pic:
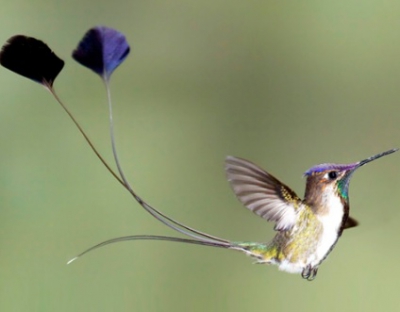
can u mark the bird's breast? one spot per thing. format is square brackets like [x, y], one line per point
[331, 222]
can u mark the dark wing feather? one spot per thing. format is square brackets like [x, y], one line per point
[350, 223]
[262, 193]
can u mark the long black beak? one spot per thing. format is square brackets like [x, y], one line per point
[365, 161]
[352, 168]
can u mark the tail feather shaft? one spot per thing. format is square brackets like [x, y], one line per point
[159, 238]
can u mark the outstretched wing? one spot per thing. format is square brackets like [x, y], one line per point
[262, 193]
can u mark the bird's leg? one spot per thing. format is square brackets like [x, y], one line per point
[309, 272]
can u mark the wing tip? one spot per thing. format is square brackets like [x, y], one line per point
[230, 163]
[230, 159]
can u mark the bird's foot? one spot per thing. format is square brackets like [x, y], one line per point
[309, 272]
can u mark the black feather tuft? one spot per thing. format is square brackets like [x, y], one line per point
[32, 59]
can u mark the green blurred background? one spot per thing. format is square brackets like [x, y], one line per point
[286, 84]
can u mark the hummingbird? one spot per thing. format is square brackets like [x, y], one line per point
[307, 229]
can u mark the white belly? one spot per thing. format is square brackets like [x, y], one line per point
[331, 223]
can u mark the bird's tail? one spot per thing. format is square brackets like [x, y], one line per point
[248, 248]
[261, 252]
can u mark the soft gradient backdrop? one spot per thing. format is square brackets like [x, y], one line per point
[285, 84]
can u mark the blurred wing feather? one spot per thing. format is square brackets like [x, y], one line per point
[262, 193]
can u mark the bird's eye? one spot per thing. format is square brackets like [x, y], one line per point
[332, 175]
